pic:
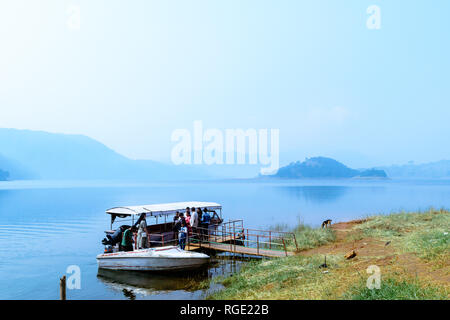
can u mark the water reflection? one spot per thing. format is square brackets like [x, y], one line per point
[316, 194]
[129, 294]
[132, 283]
[151, 281]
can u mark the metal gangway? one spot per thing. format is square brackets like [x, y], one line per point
[232, 237]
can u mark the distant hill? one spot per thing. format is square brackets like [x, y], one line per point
[30, 154]
[321, 167]
[15, 169]
[26, 154]
[4, 175]
[432, 170]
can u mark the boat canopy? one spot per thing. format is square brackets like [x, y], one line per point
[161, 209]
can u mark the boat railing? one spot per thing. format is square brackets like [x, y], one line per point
[165, 239]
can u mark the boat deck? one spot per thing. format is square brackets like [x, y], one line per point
[239, 249]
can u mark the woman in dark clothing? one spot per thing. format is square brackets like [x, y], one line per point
[200, 223]
[176, 217]
[200, 213]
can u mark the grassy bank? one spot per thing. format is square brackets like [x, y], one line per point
[425, 234]
[410, 249]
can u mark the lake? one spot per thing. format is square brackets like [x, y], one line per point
[47, 226]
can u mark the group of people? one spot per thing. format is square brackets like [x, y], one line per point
[127, 237]
[195, 224]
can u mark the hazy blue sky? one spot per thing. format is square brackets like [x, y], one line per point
[137, 70]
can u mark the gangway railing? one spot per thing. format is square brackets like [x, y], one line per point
[235, 235]
[232, 237]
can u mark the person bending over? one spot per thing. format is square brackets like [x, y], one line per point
[127, 239]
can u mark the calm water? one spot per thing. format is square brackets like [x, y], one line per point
[47, 226]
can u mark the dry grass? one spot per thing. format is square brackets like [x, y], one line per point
[427, 234]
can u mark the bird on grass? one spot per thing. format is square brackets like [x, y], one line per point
[324, 265]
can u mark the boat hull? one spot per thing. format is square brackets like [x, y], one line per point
[161, 259]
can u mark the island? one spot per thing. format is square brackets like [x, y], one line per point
[322, 167]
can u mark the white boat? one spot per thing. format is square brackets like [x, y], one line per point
[162, 254]
[169, 258]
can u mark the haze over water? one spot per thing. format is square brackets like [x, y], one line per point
[47, 226]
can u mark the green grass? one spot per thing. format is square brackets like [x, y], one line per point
[398, 224]
[295, 277]
[393, 289]
[423, 233]
[308, 238]
[430, 245]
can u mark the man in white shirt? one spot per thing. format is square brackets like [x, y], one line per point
[194, 222]
[142, 233]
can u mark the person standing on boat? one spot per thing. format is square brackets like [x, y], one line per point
[177, 225]
[188, 222]
[194, 222]
[206, 219]
[127, 239]
[176, 217]
[177, 222]
[182, 234]
[182, 218]
[142, 233]
[201, 231]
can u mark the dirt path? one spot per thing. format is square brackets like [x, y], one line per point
[372, 251]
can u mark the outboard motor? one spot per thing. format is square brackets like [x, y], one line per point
[116, 236]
